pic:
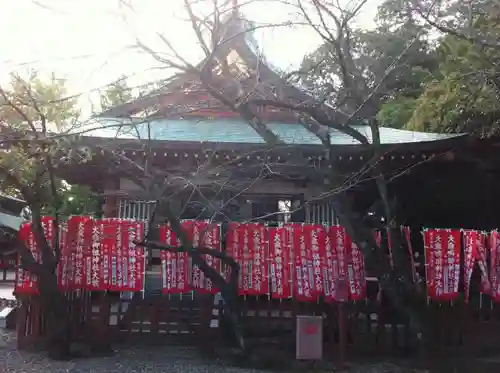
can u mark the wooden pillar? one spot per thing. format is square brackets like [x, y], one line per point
[342, 293]
[342, 334]
[307, 208]
[35, 316]
[101, 337]
[21, 320]
[155, 310]
[111, 206]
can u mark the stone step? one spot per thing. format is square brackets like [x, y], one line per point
[4, 313]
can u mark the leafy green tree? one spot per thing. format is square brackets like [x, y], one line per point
[30, 99]
[27, 103]
[461, 95]
[34, 112]
[396, 112]
[32, 109]
[74, 200]
[464, 96]
[116, 93]
[397, 37]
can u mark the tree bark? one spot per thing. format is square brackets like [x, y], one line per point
[401, 292]
[54, 306]
[228, 288]
[56, 312]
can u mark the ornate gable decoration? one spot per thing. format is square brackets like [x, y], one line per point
[239, 68]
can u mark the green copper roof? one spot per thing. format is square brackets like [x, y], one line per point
[239, 131]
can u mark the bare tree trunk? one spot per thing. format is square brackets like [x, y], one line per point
[55, 310]
[228, 288]
[229, 292]
[54, 306]
[395, 281]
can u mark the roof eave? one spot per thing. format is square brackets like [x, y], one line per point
[222, 146]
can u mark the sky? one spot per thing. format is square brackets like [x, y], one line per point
[92, 42]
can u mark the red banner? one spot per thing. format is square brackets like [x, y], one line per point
[111, 260]
[304, 272]
[208, 236]
[71, 268]
[83, 243]
[49, 230]
[132, 256]
[94, 278]
[70, 252]
[377, 236]
[259, 260]
[234, 249]
[121, 236]
[168, 276]
[245, 259]
[471, 252]
[62, 268]
[315, 235]
[280, 249]
[195, 274]
[24, 280]
[407, 236]
[26, 283]
[355, 271]
[378, 240]
[482, 262]
[174, 265]
[246, 243]
[495, 266]
[108, 252]
[442, 249]
[335, 276]
[247, 246]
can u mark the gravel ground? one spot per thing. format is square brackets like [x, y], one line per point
[132, 360]
[169, 359]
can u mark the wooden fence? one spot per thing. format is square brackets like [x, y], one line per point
[367, 328]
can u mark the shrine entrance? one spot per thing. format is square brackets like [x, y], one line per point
[158, 317]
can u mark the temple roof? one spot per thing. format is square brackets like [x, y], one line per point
[10, 212]
[204, 130]
[183, 112]
[237, 58]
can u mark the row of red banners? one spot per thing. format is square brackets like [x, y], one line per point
[443, 268]
[295, 260]
[309, 261]
[300, 261]
[96, 255]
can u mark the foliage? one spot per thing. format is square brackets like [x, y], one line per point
[374, 53]
[464, 97]
[449, 85]
[33, 106]
[395, 113]
[34, 114]
[115, 94]
[75, 200]
[462, 93]
[29, 98]
[26, 102]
